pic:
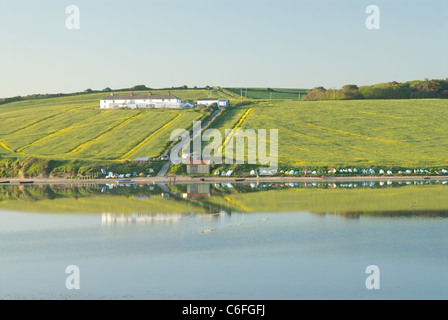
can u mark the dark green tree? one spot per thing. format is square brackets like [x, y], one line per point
[316, 93]
[350, 92]
[139, 87]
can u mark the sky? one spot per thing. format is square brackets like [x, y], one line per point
[228, 43]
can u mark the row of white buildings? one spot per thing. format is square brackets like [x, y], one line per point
[153, 101]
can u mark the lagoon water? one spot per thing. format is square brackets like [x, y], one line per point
[223, 242]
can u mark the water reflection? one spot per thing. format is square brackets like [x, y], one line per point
[195, 191]
[136, 203]
[228, 240]
[133, 218]
[110, 218]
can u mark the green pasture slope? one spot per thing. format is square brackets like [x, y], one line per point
[312, 134]
[361, 134]
[73, 127]
[267, 93]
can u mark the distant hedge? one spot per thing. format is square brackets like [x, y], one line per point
[390, 90]
[39, 96]
[87, 91]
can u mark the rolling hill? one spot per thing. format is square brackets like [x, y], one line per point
[312, 134]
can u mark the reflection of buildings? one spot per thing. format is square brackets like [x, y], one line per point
[198, 190]
[109, 218]
[133, 218]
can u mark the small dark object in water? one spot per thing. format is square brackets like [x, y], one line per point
[26, 182]
[4, 181]
[240, 179]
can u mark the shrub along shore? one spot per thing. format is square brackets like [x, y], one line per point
[89, 169]
[57, 171]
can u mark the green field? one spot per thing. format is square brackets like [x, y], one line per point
[389, 133]
[312, 134]
[265, 93]
[73, 127]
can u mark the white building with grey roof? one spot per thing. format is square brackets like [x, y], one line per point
[209, 101]
[142, 101]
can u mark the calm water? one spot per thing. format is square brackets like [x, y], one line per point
[147, 242]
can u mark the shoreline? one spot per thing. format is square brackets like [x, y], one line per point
[187, 179]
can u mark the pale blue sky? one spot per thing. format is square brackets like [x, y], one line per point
[232, 43]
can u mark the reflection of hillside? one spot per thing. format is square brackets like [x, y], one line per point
[116, 198]
[419, 198]
[392, 214]
[92, 199]
[411, 198]
[40, 192]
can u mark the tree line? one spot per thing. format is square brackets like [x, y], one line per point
[139, 87]
[391, 90]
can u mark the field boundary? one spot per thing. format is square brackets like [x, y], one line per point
[232, 133]
[105, 133]
[20, 150]
[141, 143]
[4, 146]
[41, 120]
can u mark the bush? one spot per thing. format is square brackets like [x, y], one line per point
[178, 169]
[139, 87]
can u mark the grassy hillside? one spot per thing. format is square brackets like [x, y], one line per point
[312, 134]
[269, 93]
[73, 127]
[389, 133]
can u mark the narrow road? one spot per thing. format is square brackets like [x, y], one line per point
[203, 126]
[164, 169]
[222, 92]
[212, 116]
[166, 166]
